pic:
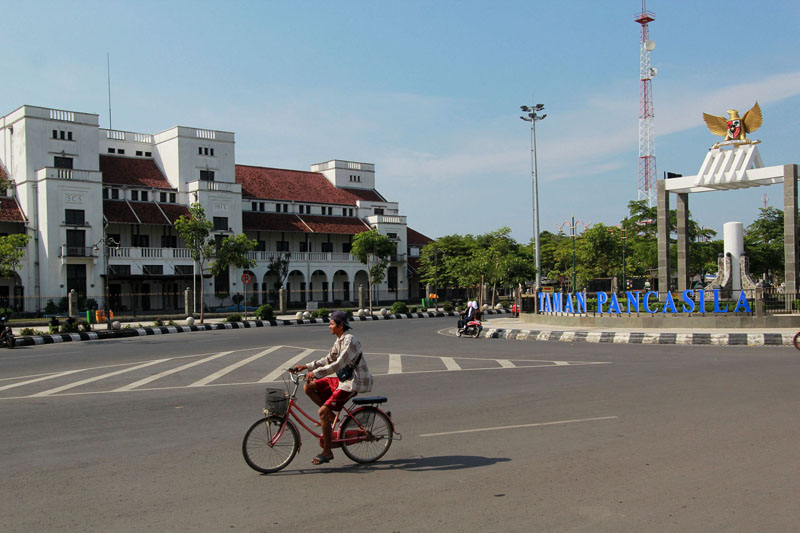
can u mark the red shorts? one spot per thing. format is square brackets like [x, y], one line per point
[334, 398]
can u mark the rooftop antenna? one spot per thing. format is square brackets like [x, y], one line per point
[647, 142]
[765, 200]
[108, 70]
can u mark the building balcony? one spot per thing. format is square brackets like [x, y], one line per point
[216, 186]
[77, 251]
[69, 174]
[386, 219]
[149, 253]
[296, 258]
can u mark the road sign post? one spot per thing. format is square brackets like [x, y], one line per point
[247, 278]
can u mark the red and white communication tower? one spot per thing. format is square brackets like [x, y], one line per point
[647, 141]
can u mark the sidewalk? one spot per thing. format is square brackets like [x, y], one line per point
[514, 328]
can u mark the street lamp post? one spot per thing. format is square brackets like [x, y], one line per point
[107, 242]
[532, 115]
[572, 227]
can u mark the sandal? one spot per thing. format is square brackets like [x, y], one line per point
[321, 460]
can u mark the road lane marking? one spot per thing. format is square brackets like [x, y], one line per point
[395, 364]
[505, 363]
[171, 371]
[49, 376]
[538, 424]
[275, 374]
[96, 378]
[450, 363]
[216, 375]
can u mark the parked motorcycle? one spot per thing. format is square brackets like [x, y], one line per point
[472, 329]
[6, 334]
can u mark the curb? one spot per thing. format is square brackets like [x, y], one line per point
[721, 339]
[165, 330]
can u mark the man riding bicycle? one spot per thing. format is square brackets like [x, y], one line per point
[329, 391]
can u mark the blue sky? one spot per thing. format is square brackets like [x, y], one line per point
[429, 91]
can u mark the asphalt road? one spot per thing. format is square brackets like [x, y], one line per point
[145, 434]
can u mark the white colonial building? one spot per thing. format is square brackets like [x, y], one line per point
[100, 206]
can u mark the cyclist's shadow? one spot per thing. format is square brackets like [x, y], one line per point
[416, 464]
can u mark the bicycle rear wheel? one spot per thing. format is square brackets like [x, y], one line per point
[371, 443]
[796, 340]
[266, 458]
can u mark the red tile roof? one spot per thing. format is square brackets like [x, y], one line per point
[288, 185]
[415, 237]
[118, 211]
[272, 222]
[10, 210]
[173, 211]
[131, 171]
[338, 225]
[149, 213]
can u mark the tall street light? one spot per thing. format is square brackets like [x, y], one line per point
[532, 115]
[572, 227]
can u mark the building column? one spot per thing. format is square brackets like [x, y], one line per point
[663, 237]
[790, 229]
[682, 209]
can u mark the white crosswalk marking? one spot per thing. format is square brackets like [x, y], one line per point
[171, 371]
[450, 363]
[395, 364]
[228, 369]
[505, 363]
[275, 374]
[97, 378]
[51, 376]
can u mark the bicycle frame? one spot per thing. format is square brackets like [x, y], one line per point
[293, 405]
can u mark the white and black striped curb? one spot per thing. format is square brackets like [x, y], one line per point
[164, 330]
[726, 339]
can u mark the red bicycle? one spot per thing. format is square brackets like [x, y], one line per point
[362, 430]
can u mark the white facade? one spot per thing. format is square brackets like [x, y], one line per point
[70, 207]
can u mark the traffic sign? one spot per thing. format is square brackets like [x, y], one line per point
[247, 278]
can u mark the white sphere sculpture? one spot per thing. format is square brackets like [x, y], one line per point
[190, 321]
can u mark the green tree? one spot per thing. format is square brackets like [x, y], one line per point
[12, 250]
[374, 250]
[279, 265]
[195, 230]
[232, 252]
[763, 243]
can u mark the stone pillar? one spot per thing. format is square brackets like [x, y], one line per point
[187, 301]
[361, 297]
[72, 299]
[790, 230]
[682, 211]
[282, 301]
[664, 272]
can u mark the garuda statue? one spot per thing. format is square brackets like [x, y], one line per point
[734, 128]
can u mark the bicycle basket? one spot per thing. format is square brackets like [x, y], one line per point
[277, 402]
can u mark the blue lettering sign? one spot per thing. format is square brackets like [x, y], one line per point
[669, 304]
[688, 305]
[558, 305]
[614, 305]
[702, 303]
[633, 300]
[581, 302]
[646, 303]
[743, 302]
[716, 303]
[601, 299]
[568, 307]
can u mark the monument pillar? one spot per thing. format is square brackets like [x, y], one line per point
[663, 237]
[682, 211]
[790, 229]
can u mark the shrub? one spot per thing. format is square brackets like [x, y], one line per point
[399, 308]
[447, 308]
[158, 323]
[171, 323]
[413, 309]
[84, 326]
[6, 312]
[69, 327]
[28, 332]
[265, 312]
[51, 308]
[321, 313]
[236, 317]
[53, 329]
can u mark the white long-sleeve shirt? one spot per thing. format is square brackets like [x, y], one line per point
[345, 351]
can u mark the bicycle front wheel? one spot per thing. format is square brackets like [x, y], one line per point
[265, 449]
[370, 443]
